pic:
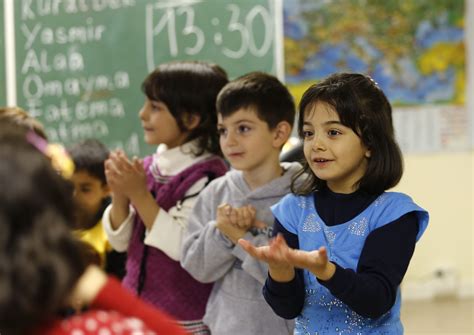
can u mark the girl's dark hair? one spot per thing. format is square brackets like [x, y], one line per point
[190, 87]
[40, 260]
[363, 107]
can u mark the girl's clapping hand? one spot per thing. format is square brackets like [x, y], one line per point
[282, 260]
[125, 176]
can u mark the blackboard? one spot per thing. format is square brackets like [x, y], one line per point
[3, 79]
[80, 63]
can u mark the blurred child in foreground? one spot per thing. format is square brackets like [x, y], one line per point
[42, 266]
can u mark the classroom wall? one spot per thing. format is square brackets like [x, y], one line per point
[443, 184]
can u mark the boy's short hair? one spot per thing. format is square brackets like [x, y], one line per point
[271, 99]
[90, 155]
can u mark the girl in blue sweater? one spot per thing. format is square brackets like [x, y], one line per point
[343, 244]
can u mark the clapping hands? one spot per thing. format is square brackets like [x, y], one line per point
[124, 176]
[234, 222]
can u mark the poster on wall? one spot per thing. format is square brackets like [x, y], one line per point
[414, 49]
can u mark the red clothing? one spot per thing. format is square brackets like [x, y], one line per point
[114, 311]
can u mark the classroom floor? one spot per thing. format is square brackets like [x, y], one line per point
[442, 316]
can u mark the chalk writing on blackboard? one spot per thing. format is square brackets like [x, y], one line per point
[80, 63]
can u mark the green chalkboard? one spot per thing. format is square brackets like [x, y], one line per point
[80, 64]
[3, 79]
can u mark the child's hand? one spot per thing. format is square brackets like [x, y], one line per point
[315, 261]
[279, 257]
[127, 177]
[87, 287]
[242, 217]
[232, 222]
[276, 255]
[110, 174]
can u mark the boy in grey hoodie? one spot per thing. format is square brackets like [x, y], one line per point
[255, 118]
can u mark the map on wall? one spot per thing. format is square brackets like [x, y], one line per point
[414, 49]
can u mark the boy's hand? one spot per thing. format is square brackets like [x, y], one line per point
[225, 215]
[242, 217]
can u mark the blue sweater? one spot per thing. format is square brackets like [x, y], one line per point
[367, 284]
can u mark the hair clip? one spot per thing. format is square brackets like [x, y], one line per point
[373, 81]
[59, 157]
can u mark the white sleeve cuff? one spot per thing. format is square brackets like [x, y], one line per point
[165, 235]
[168, 228]
[119, 238]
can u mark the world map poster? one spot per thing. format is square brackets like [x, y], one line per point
[415, 50]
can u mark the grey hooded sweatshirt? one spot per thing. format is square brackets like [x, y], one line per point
[236, 304]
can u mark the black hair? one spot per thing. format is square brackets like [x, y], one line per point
[189, 87]
[271, 99]
[40, 260]
[363, 107]
[90, 155]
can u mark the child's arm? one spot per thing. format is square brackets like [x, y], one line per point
[206, 254]
[235, 223]
[119, 210]
[287, 298]
[275, 254]
[146, 205]
[119, 238]
[118, 217]
[286, 293]
[169, 226]
[120, 202]
[129, 182]
[282, 260]
[95, 288]
[371, 290]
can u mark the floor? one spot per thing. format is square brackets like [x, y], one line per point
[442, 316]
